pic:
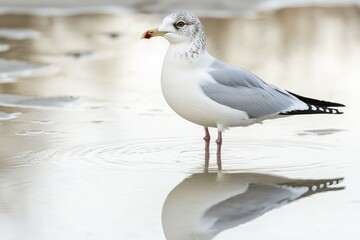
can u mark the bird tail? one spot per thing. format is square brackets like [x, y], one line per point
[315, 106]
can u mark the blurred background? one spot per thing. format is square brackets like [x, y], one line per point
[90, 150]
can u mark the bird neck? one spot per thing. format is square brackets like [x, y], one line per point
[187, 53]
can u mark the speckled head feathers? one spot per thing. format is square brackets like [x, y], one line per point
[185, 28]
[188, 24]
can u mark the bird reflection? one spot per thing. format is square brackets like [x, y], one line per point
[205, 204]
[207, 158]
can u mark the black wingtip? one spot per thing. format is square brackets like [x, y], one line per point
[334, 104]
[319, 103]
[313, 109]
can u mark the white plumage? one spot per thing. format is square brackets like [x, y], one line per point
[211, 93]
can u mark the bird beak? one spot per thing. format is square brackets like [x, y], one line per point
[152, 33]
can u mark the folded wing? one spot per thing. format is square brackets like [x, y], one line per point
[239, 89]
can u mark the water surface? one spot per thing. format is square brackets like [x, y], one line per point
[90, 150]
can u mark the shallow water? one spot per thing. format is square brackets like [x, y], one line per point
[90, 150]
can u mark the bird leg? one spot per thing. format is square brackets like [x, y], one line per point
[207, 149]
[218, 150]
[207, 140]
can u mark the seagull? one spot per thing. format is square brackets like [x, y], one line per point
[211, 93]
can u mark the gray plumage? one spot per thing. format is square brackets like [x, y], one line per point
[228, 96]
[242, 90]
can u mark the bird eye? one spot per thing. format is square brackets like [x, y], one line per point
[180, 24]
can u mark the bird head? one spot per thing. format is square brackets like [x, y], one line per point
[179, 27]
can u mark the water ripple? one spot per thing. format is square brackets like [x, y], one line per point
[170, 155]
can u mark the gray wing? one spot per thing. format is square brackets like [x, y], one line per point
[239, 89]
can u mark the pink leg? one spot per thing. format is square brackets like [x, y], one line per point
[207, 147]
[218, 150]
[207, 139]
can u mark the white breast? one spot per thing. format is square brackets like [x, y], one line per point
[181, 87]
